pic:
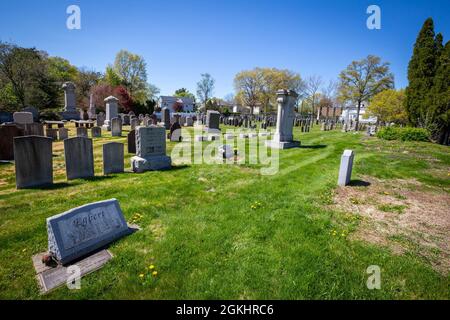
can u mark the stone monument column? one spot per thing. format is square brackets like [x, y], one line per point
[91, 111]
[70, 102]
[283, 137]
[112, 111]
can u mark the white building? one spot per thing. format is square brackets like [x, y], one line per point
[169, 102]
[350, 112]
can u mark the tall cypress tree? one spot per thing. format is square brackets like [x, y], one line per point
[421, 71]
[441, 97]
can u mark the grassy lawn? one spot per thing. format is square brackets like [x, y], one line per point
[227, 232]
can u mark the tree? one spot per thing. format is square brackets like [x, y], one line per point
[362, 80]
[389, 106]
[205, 88]
[84, 81]
[111, 77]
[441, 98]
[421, 72]
[132, 71]
[259, 86]
[312, 85]
[20, 67]
[247, 85]
[184, 93]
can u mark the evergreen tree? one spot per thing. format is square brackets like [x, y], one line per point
[421, 71]
[441, 98]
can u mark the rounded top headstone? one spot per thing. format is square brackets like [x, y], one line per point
[68, 85]
[111, 99]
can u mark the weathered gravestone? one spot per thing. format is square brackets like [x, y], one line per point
[63, 133]
[283, 137]
[134, 123]
[7, 134]
[70, 102]
[52, 134]
[175, 132]
[82, 132]
[100, 119]
[150, 150]
[33, 129]
[212, 120]
[126, 120]
[112, 111]
[83, 230]
[113, 158]
[33, 161]
[132, 141]
[23, 117]
[345, 170]
[165, 118]
[79, 157]
[96, 132]
[189, 122]
[116, 127]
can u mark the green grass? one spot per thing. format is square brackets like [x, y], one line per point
[227, 232]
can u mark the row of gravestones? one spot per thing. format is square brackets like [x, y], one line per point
[34, 159]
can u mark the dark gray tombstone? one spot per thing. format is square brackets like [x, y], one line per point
[82, 132]
[7, 134]
[113, 158]
[33, 129]
[63, 133]
[33, 161]
[212, 120]
[79, 157]
[132, 142]
[165, 118]
[52, 133]
[96, 132]
[83, 230]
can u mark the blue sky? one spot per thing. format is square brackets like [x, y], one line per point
[180, 39]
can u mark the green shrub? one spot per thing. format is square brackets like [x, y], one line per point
[404, 134]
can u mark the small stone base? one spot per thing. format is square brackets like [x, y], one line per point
[155, 163]
[70, 115]
[283, 144]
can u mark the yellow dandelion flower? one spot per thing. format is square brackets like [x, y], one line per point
[141, 275]
[154, 273]
[151, 267]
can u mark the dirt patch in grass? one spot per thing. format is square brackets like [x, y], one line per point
[402, 215]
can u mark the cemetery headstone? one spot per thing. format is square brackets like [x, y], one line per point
[70, 102]
[131, 142]
[100, 119]
[134, 123]
[79, 157]
[33, 129]
[283, 137]
[63, 133]
[33, 161]
[52, 134]
[23, 117]
[116, 127]
[345, 170]
[7, 134]
[112, 111]
[212, 120]
[81, 231]
[165, 118]
[82, 132]
[96, 132]
[113, 158]
[150, 150]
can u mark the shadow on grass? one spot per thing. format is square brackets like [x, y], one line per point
[315, 146]
[6, 162]
[179, 167]
[359, 183]
[98, 178]
[55, 186]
